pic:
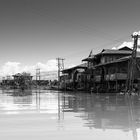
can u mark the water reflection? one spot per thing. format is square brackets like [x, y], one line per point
[106, 112]
[96, 111]
[30, 101]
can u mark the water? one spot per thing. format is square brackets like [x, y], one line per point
[52, 115]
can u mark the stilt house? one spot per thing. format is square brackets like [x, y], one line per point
[108, 70]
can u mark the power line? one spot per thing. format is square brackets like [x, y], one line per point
[85, 28]
[115, 42]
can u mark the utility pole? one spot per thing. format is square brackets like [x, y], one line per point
[3, 81]
[37, 76]
[132, 63]
[60, 64]
[7, 80]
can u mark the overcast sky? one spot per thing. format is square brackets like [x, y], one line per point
[33, 31]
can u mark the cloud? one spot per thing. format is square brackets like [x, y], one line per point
[51, 65]
[128, 44]
[10, 68]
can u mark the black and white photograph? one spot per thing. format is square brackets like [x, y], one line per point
[69, 69]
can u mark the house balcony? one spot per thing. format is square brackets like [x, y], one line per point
[121, 76]
[116, 76]
[97, 78]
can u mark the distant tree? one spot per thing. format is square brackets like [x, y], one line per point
[23, 80]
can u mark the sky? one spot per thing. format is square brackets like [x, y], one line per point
[35, 32]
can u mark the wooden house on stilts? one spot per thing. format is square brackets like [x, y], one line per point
[111, 70]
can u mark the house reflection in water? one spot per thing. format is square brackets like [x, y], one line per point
[106, 112]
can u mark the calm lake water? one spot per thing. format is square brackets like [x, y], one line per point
[52, 115]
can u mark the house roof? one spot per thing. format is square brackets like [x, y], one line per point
[88, 58]
[18, 74]
[124, 50]
[84, 66]
[22, 74]
[118, 60]
[111, 51]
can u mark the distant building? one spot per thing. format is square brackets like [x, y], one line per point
[22, 80]
[74, 78]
